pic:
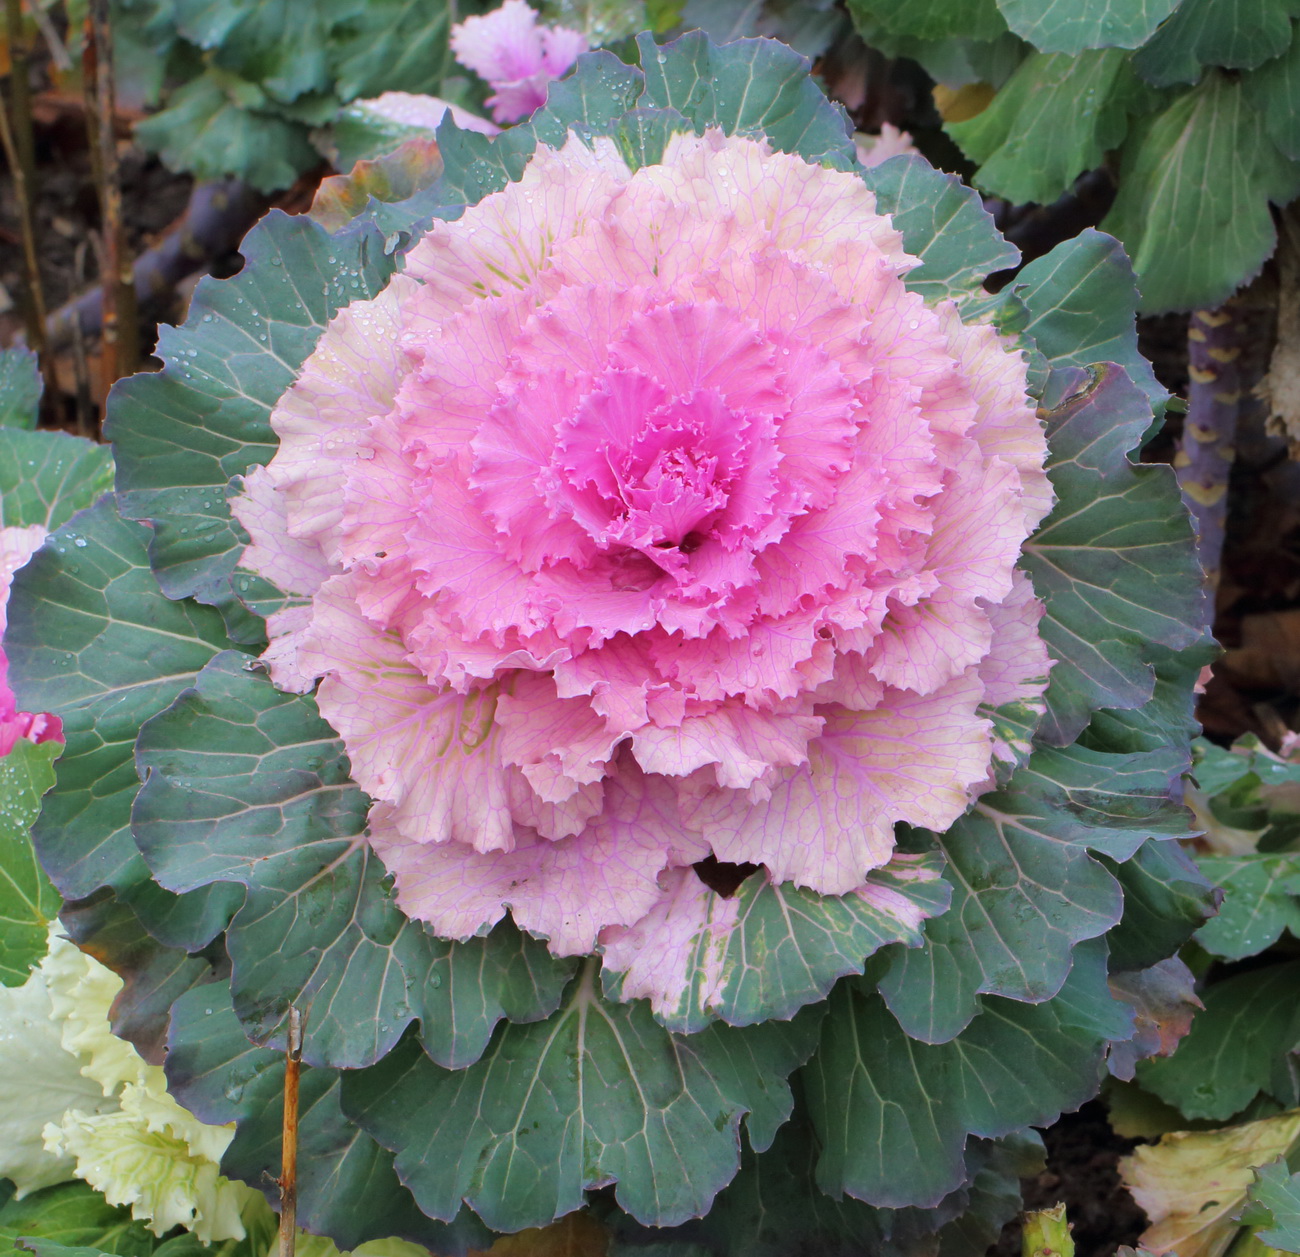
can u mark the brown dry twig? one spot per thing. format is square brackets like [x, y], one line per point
[289, 1135]
[120, 346]
[16, 141]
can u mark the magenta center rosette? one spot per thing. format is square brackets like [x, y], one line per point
[647, 518]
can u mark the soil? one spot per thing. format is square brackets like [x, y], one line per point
[67, 211]
[1082, 1171]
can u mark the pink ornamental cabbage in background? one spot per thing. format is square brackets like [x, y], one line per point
[17, 545]
[411, 109]
[647, 517]
[874, 149]
[518, 58]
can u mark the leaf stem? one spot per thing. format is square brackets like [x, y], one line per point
[1047, 1234]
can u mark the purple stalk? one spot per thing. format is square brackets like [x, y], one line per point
[1204, 461]
[216, 220]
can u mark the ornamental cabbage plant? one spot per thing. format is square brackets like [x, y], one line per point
[684, 689]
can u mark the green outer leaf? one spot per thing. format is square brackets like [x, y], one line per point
[1261, 899]
[1082, 303]
[1113, 562]
[1168, 720]
[237, 774]
[1273, 1204]
[92, 639]
[77, 1215]
[1076, 25]
[248, 785]
[1219, 771]
[20, 388]
[996, 1170]
[1025, 889]
[46, 477]
[1195, 184]
[1166, 897]
[600, 90]
[782, 947]
[346, 1185]
[944, 223]
[773, 1208]
[893, 1114]
[189, 922]
[1238, 34]
[953, 61]
[181, 434]
[643, 134]
[360, 133]
[751, 86]
[599, 1093]
[1235, 1049]
[28, 900]
[1056, 117]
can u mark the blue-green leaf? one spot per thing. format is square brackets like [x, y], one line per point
[1113, 561]
[598, 1094]
[893, 1115]
[182, 433]
[1025, 889]
[1237, 34]
[769, 950]
[20, 388]
[1076, 25]
[92, 639]
[28, 900]
[943, 223]
[47, 477]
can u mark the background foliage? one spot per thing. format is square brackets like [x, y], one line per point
[1194, 102]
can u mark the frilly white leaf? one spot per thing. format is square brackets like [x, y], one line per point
[39, 1081]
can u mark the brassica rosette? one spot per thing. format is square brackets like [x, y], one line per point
[632, 620]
